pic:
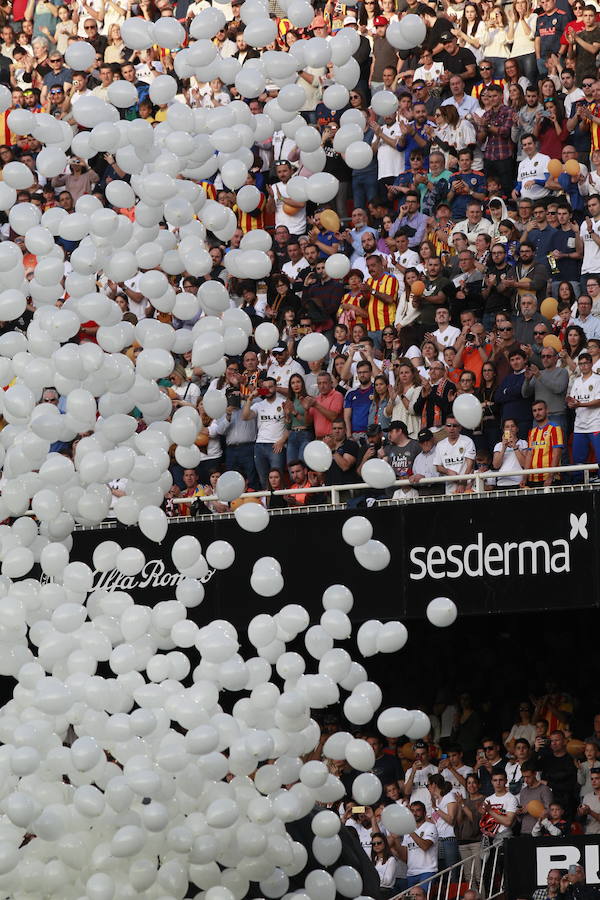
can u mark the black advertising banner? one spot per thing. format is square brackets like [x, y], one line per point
[513, 554]
[528, 861]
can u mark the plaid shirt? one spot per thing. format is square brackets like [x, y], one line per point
[499, 146]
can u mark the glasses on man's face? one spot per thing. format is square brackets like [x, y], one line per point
[587, 84]
[539, 333]
[545, 356]
[485, 68]
[89, 27]
[451, 425]
[552, 212]
[488, 747]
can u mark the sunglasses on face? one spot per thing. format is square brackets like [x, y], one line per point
[505, 328]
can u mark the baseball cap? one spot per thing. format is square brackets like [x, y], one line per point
[398, 424]
[446, 37]
[419, 745]
[349, 20]
[318, 22]
[425, 435]
[373, 429]
[380, 20]
[278, 350]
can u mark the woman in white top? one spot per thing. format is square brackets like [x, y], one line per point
[523, 727]
[472, 30]
[444, 807]
[403, 396]
[385, 863]
[510, 456]
[182, 392]
[523, 49]
[497, 39]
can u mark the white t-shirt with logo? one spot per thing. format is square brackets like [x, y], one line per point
[533, 169]
[507, 803]
[454, 456]
[282, 374]
[591, 250]
[421, 861]
[270, 419]
[446, 338]
[587, 420]
[510, 463]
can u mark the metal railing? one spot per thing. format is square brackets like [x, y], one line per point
[477, 478]
[482, 872]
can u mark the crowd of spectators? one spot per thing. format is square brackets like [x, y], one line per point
[470, 788]
[473, 237]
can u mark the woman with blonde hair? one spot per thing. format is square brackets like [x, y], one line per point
[523, 48]
[404, 393]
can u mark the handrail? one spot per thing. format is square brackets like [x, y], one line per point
[482, 872]
[335, 489]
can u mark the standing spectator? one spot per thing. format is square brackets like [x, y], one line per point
[384, 54]
[345, 453]
[419, 848]
[585, 766]
[455, 455]
[532, 789]
[549, 27]
[550, 386]
[271, 432]
[590, 234]
[385, 863]
[499, 809]
[443, 814]
[558, 771]
[288, 212]
[357, 402]
[382, 292]
[584, 398]
[495, 128]
[510, 395]
[326, 407]
[468, 815]
[489, 765]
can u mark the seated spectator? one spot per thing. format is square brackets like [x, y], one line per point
[589, 809]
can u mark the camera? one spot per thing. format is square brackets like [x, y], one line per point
[234, 399]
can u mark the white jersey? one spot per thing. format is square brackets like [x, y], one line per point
[270, 419]
[446, 338]
[296, 223]
[534, 169]
[454, 456]
[587, 420]
[591, 250]
[282, 374]
[390, 162]
[419, 862]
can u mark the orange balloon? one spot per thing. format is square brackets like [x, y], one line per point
[329, 220]
[536, 809]
[417, 288]
[290, 210]
[575, 747]
[549, 307]
[555, 167]
[572, 167]
[408, 751]
[551, 340]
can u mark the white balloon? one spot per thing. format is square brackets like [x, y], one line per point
[378, 473]
[266, 336]
[397, 819]
[337, 265]
[318, 456]
[357, 530]
[80, 56]
[395, 721]
[358, 155]
[442, 612]
[468, 410]
[313, 346]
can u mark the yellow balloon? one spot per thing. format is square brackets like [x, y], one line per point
[329, 220]
[555, 167]
[549, 307]
[572, 167]
[550, 340]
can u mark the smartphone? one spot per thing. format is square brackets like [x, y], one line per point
[573, 870]
[358, 809]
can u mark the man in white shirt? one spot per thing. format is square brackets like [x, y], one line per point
[296, 260]
[390, 161]
[416, 778]
[499, 809]
[271, 437]
[474, 224]
[455, 455]
[590, 235]
[454, 770]
[465, 103]
[291, 213]
[283, 368]
[532, 173]
[419, 848]
[584, 398]
[424, 464]
[584, 317]
[403, 258]
[445, 334]
[571, 94]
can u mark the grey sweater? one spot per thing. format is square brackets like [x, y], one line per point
[551, 386]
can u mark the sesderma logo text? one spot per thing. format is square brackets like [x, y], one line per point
[483, 557]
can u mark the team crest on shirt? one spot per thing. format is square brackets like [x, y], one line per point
[461, 449]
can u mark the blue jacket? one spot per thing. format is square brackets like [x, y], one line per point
[514, 405]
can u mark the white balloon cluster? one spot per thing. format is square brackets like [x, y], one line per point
[123, 776]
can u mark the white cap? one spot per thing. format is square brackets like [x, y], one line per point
[350, 20]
